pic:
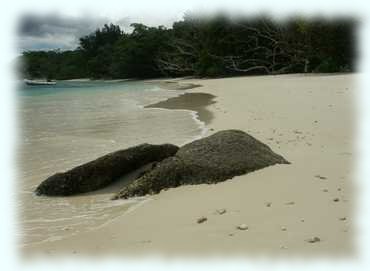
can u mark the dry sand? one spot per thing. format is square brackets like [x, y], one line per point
[307, 119]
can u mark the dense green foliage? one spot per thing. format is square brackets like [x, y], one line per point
[214, 46]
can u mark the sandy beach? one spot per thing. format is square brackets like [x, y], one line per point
[308, 119]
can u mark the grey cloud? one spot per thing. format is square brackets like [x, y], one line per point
[55, 31]
[39, 26]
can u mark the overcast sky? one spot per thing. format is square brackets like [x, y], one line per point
[55, 31]
[42, 29]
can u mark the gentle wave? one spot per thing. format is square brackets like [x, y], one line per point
[77, 123]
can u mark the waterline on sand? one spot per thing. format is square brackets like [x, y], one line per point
[77, 122]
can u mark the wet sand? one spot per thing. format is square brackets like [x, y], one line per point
[190, 101]
[75, 123]
[301, 210]
[174, 84]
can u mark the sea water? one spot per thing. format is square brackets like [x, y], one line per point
[74, 122]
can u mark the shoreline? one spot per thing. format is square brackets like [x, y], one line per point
[197, 102]
[306, 119]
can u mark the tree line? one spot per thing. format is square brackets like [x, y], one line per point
[203, 46]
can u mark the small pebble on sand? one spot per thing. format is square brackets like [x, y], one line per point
[320, 177]
[242, 227]
[325, 190]
[343, 218]
[283, 228]
[336, 199]
[221, 211]
[201, 219]
[313, 239]
[290, 203]
[268, 204]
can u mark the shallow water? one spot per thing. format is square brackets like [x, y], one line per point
[72, 123]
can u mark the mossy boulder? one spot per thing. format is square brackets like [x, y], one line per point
[104, 170]
[213, 159]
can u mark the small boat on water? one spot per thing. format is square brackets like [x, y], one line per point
[39, 82]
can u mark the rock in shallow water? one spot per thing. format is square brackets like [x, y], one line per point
[104, 170]
[213, 159]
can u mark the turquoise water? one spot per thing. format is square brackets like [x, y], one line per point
[74, 122]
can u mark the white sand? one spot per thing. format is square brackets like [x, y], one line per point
[307, 119]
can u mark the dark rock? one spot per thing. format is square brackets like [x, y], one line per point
[213, 159]
[104, 170]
